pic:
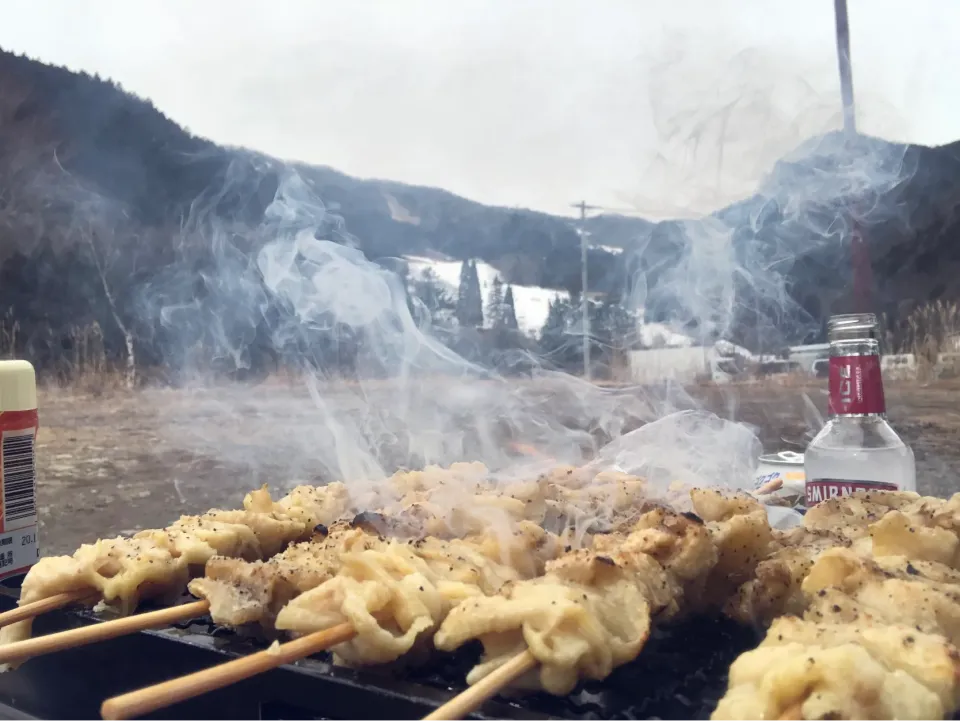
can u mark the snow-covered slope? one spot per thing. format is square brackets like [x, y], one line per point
[532, 303]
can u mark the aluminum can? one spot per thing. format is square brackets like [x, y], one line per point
[780, 480]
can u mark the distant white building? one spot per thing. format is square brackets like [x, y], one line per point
[807, 355]
[720, 363]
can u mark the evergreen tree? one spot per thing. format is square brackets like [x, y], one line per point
[555, 341]
[463, 293]
[434, 299]
[612, 325]
[429, 289]
[509, 314]
[495, 304]
[470, 298]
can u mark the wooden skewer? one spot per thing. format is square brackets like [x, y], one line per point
[145, 700]
[51, 603]
[21, 650]
[461, 705]
[793, 712]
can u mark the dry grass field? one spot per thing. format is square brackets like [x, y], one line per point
[114, 460]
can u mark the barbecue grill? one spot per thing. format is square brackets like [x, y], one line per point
[681, 674]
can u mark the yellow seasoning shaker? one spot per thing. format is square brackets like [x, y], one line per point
[18, 478]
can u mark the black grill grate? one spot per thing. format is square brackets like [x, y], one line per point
[681, 674]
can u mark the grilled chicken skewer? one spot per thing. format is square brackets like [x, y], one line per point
[879, 524]
[153, 564]
[881, 620]
[804, 669]
[379, 599]
[870, 523]
[878, 640]
[564, 492]
[593, 609]
[243, 592]
[420, 508]
[158, 563]
[733, 529]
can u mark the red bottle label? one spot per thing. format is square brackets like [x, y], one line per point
[823, 489]
[856, 386]
[18, 488]
[18, 492]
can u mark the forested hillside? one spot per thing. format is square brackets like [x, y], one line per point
[113, 220]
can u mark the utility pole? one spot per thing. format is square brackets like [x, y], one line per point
[860, 255]
[582, 205]
[846, 74]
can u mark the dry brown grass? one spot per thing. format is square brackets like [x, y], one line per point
[928, 332]
[85, 369]
[9, 331]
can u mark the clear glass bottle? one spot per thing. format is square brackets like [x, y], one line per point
[857, 449]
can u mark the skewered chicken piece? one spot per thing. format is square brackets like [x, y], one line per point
[806, 670]
[465, 499]
[881, 622]
[590, 613]
[242, 592]
[158, 563]
[610, 497]
[592, 609]
[849, 515]
[122, 572]
[775, 588]
[873, 523]
[373, 599]
[843, 587]
[393, 595]
[310, 505]
[740, 530]
[877, 641]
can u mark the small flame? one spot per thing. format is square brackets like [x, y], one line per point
[525, 449]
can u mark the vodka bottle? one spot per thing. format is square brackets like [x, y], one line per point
[857, 449]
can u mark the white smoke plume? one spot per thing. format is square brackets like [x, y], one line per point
[749, 133]
[411, 401]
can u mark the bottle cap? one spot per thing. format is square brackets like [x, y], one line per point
[18, 386]
[852, 326]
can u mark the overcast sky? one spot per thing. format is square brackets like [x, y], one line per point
[666, 107]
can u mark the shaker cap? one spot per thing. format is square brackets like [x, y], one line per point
[18, 386]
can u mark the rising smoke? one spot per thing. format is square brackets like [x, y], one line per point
[411, 401]
[751, 137]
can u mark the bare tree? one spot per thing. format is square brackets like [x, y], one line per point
[101, 254]
[27, 170]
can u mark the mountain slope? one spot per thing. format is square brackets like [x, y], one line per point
[106, 207]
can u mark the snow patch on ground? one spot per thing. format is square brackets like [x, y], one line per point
[532, 303]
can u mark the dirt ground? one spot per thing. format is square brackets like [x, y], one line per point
[122, 462]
